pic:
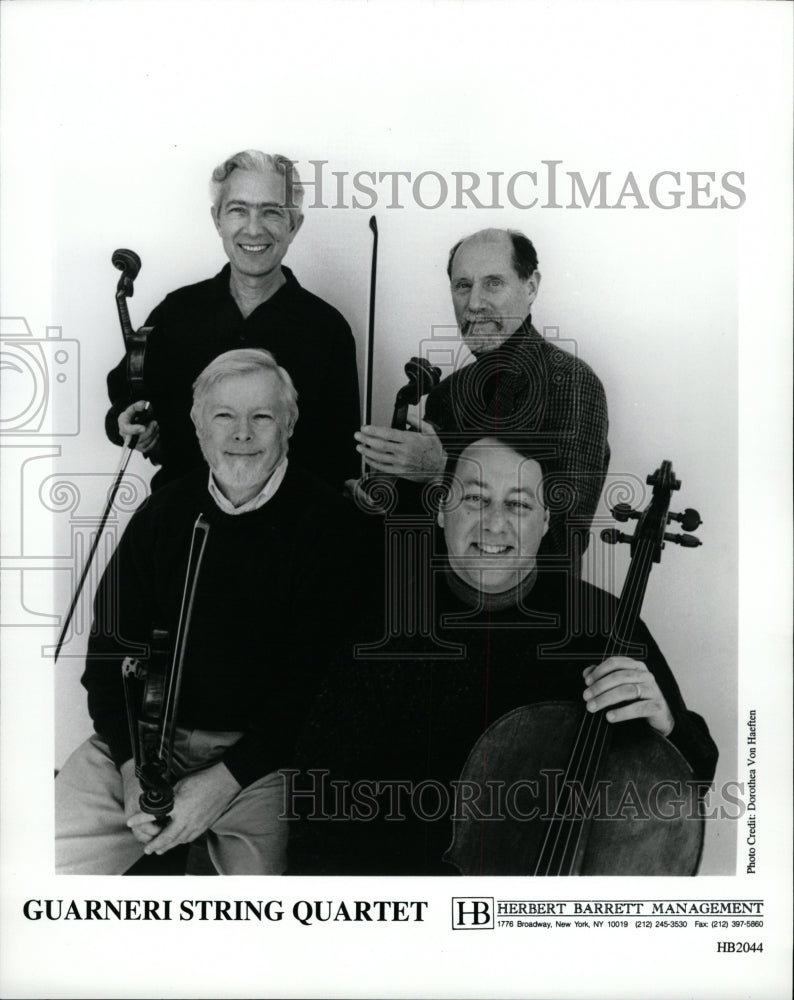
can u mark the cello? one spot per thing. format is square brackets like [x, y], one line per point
[583, 754]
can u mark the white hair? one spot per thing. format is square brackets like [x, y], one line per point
[245, 361]
[261, 163]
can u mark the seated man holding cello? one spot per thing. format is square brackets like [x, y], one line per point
[382, 785]
[248, 569]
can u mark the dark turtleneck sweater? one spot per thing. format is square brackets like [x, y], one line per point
[416, 719]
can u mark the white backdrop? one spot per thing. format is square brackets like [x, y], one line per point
[117, 112]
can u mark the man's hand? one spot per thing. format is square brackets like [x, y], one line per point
[359, 492]
[131, 787]
[618, 680]
[403, 453]
[147, 435]
[199, 799]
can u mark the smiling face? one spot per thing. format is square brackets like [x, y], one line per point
[494, 518]
[490, 300]
[253, 223]
[243, 432]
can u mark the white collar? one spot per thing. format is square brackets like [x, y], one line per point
[266, 493]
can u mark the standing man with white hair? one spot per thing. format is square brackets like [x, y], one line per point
[254, 301]
[276, 594]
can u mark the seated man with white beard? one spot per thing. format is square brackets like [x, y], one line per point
[273, 593]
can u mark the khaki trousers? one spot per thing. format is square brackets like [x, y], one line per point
[92, 838]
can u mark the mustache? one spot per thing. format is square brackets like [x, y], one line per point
[470, 322]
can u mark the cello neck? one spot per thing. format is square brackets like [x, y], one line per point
[631, 598]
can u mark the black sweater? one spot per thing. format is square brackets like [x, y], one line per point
[307, 336]
[416, 720]
[277, 592]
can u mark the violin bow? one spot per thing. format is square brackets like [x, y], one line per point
[129, 263]
[373, 225]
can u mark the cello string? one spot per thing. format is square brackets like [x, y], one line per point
[593, 730]
[560, 814]
[594, 734]
[486, 699]
[628, 612]
[561, 803]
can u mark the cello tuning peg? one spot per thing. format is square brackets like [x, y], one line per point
[612, 536]
[688, 541]
[690, 519]
[624, 512]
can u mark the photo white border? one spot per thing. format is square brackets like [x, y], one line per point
[217, 959]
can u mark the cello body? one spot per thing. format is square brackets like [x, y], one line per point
[637, 822]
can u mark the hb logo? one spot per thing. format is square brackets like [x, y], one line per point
[472, 913]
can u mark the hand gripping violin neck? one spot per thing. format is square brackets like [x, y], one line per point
[129, 263]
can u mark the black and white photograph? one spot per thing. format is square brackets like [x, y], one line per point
[395, 439]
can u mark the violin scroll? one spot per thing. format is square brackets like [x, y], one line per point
[145, 685]
[129, 263]
[157, 797]
[422, 379]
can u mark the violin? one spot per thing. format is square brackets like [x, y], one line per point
[129, 263]
[422, 376]
[144, 694]
[422, 379]
[151, 693]
[583, 753]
